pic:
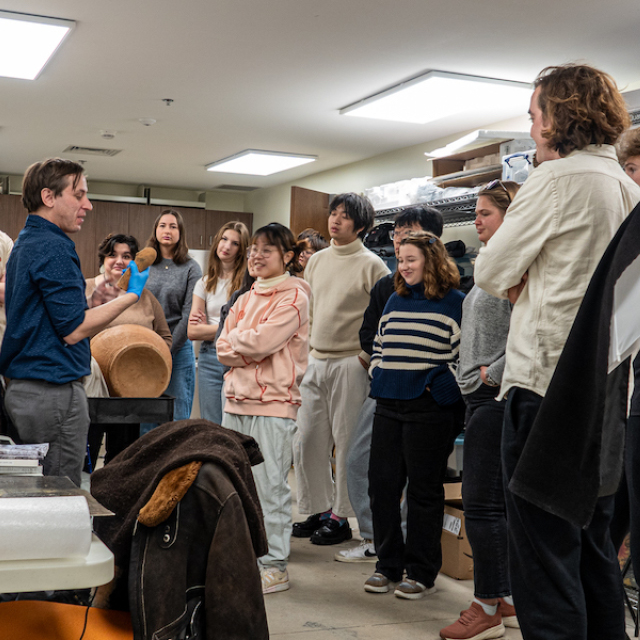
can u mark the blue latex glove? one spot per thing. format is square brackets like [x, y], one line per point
[137, 280]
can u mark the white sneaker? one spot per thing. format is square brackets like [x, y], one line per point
[364, 552]
[274, 580]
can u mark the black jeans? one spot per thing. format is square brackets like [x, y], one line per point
[632, 470]
[411, 440]
[565, 580]
[483, 493]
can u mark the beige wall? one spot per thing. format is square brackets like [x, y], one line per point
[273, 204]
[224, 201]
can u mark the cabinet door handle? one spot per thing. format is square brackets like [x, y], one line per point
[200, 240]
[210, 239]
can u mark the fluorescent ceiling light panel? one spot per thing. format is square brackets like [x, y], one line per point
[28, 42]
[439, 94]
[476, 139]
[259, 163]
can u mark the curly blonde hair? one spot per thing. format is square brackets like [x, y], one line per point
[440, 271]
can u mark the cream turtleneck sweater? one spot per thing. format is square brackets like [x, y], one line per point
[341, 279]
[267, 283]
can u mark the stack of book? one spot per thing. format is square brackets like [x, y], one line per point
[22, 460]
[20, 467]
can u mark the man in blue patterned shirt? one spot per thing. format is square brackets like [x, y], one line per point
[45, 352]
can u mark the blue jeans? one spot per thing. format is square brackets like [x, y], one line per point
[483, 493]
[182, 385]
[411, 440]
[210, 379]
[566, 581]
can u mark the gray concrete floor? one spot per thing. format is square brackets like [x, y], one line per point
[327, 600]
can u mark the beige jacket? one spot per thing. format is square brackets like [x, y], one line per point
[556, 230]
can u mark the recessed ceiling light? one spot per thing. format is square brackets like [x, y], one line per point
[438, 94]
[28, 42]
[259, 163]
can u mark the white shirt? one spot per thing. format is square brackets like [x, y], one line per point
[214, 300]
[557, 229]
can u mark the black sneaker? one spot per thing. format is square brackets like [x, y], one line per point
[332, 532]
[305, 529]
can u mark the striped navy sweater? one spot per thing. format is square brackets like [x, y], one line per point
[417, 346]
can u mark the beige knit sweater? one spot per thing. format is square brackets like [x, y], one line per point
[341, 279]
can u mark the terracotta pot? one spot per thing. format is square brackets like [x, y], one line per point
[135, 361]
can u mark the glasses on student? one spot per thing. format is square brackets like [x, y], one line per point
[254, 252]
[400, 234]
[497, 183]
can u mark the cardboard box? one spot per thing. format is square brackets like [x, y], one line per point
[457, 559]
[453, 493]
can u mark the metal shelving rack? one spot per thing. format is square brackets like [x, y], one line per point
[456, 211]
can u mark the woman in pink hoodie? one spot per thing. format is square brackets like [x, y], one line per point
[265, 341]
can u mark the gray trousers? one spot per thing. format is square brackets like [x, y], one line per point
[358, 469]
[54, 413]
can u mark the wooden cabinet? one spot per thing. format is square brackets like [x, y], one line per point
[194, 224]
[117, 217]
[107, 218]
[87, 246]
[12, 215]
[110, 218]
[141, 219]
[309, 209]
[216, 219]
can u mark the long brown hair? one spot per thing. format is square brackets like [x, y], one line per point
[181, 251]
[440, 271]
[214, 268]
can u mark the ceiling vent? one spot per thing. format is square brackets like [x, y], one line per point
[235, 187]
[92, 151]
[635, 117]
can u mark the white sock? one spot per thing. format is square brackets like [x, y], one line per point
[489, 609]
[508, 600]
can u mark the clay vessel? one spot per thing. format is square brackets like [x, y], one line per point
[135, 361]
[144, 259]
